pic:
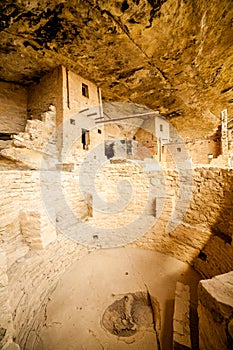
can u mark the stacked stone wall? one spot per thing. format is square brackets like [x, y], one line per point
[215, 311]
[202, 236]
[29, 273]
[13, 107]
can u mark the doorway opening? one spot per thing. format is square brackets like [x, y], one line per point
[85, 138]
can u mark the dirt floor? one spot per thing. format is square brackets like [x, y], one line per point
[112, 299]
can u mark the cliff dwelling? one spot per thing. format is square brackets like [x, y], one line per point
[116, 166]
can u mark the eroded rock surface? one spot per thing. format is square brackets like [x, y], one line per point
[175, 56]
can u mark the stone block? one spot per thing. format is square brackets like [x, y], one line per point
[65, 167]
[37, 229]
[181, 321]
[215, 310]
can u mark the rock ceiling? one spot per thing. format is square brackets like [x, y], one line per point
[175, 56]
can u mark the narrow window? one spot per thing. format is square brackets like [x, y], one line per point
[5, 136]
[67, 88]
[99, 131]
[85, 91]
[72, 121]
[178, 149]
[161, 127]
[85, 139]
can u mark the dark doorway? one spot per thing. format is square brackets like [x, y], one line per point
[85, 138]
[109, 151]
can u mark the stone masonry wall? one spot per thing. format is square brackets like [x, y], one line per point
[13, 107]
[46, 92]
[147, 140]
[192, 210]
[200, 149]
[215, 311]
[73, 99]
[30, 273]
[123, 183]
[31, 281]
[201, 236]
[34, 148]
[21, 190]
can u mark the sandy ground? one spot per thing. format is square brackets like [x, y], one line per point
[74, 312]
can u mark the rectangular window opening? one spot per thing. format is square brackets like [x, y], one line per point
[178, 149]
[161, 127]
[72, 121]
[85, 91]
[99, 131]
